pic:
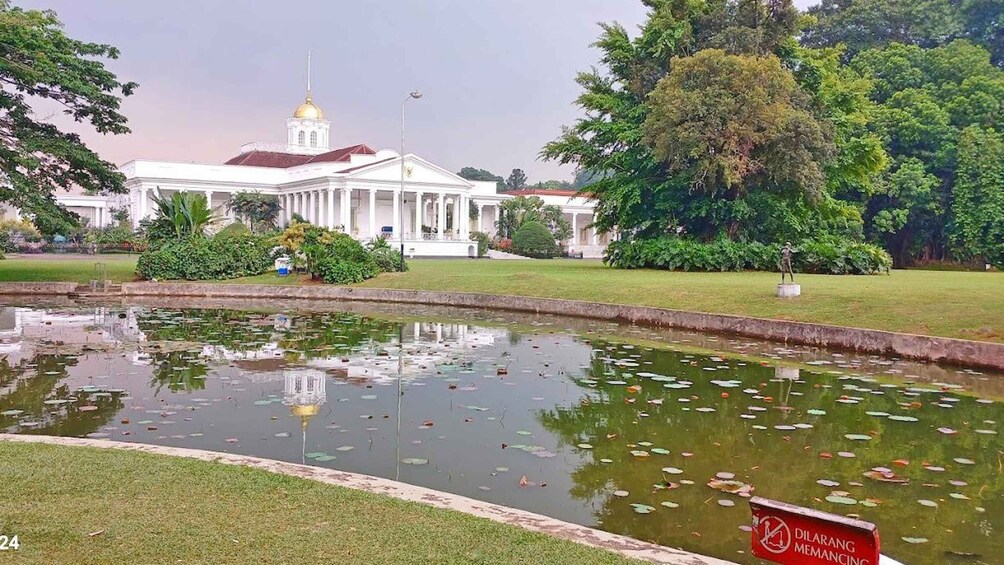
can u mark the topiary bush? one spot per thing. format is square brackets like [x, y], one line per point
[233, 229]
[533, 239]
[830, 256]
[199, 258]
[484, 240]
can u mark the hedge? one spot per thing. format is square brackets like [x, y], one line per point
[199, 258]
[835, 257]
[533, 239]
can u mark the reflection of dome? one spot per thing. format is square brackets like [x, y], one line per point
[305, 411]
[304, 393]
[308, 110]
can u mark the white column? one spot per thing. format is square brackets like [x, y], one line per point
[441, 217]
[311, 207]
[419, 204]
[397, 213]
[374, 232]
[209, 199]
[575, 228]
[347, 209]
[142, 205]
[97, 217]
[481, 215]
[463, 217]
[596, 235]
[330, 207]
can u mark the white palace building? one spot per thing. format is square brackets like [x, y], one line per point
[354, 188]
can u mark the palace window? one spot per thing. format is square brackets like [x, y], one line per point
[313, 139]
[301, 138]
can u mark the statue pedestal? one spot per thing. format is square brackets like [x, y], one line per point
[789, 290]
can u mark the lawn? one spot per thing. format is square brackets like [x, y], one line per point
[76, 505]
[965, 305]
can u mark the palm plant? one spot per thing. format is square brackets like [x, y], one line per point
[259, 210]
[182, 214]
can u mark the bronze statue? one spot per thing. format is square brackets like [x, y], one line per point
[786, 253]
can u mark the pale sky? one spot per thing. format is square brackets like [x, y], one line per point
[498, 75]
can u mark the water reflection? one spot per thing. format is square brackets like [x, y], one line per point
[607, 430]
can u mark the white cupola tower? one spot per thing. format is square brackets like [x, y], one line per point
[308, 131]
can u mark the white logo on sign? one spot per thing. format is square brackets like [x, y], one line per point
[774, 534]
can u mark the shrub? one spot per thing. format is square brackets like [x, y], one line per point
[336, 258]
[483, 240]
[234, 229]
[199, 258]
[389, 260]
[333, 270]
[533, 239]
[829, 256]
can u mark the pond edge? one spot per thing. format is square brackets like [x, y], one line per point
[953, 351]
[623, 545]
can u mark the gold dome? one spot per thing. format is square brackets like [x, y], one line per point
[308, 110]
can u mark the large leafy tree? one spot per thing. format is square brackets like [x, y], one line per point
[514, 213]
[635, 190]
[977, 226]
[38, 62]
[866, 24]
[727, 125]
[924, 99]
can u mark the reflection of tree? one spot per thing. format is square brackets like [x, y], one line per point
[320, 335]
[181, 371]
[29, 388]
[785, 469]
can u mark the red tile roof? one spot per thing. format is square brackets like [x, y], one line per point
[286, 160]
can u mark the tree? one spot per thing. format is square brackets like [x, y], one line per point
[866, 24]
[259, 210]
[977, 225]
[632, 188]
[39, 62]
[553, 185]
[905, 210]
[515, 212]
[472, 173]
[533, 239]
[726, 125]
[516, 180]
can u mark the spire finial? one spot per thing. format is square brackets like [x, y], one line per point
[308, 74]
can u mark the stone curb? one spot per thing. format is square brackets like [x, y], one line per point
[622, 545]
[927, 348]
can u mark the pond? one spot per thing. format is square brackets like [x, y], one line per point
[637, 431]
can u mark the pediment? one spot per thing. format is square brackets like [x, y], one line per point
[417, 170]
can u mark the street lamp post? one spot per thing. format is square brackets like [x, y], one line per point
[400, 209]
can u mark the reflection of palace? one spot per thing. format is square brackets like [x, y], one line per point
[425, 345]
[97, 325]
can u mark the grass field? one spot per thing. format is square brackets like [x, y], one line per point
[76, 505]
[950, 304]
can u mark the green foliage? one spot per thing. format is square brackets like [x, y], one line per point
[387, 259]
[977, 227]
[199, 258]
[533, 239]
[865, 24]
[16, 232]
[259, 210]
[516, 180]
[833, 256]
[181, 216]
[515, 212]
[484, 240]
[234, 229]
[728, 125]
[337, 258]
[473, 173]
[38, 62]
[635, 190]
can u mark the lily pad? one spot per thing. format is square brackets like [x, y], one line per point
[643, 508]
[841, 500]
[415, 461]
[858, 437]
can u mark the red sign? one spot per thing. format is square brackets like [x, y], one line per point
[792, 535]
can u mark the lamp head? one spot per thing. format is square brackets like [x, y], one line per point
[416, 95]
